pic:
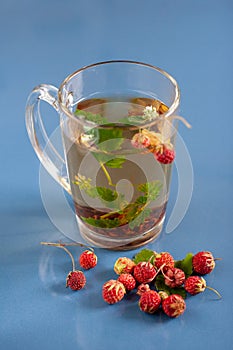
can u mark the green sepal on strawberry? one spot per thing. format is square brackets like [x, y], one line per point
[144, 255]
[185, 264]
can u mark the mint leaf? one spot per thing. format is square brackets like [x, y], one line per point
[143, 255]
[151, 189]
[186, 264]
[110, 139]
[141, 200]
[161, 286]
[118, 204]
[103, 193]
[106, 194]
[140, 218]
[102, 223]
[132, 120]
[92, 192]
[95, 118]
[115, 162]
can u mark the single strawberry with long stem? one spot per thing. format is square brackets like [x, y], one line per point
[75, 279]
[196, 284]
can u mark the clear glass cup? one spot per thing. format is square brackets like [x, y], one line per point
[118, 121]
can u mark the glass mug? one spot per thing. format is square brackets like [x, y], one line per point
[118, 122]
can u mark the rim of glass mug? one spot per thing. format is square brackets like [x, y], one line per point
[172, 108]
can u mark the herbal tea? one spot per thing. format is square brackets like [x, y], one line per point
[119, 165]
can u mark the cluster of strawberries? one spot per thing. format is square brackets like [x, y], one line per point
[159, 280]
[140, 275]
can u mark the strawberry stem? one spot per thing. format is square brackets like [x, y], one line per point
[184, 121]
[164, 275]
[60, 245]
[215, 291]
[66, 244]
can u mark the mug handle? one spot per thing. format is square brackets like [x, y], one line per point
[45, 150]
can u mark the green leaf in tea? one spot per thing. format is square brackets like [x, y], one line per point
[144, 255]
[94, 118]
[151, 189]
[132, 120]
[115, 162]
[110, 138]
[141, 200]
[140, 218]
[103, 193]
[102, 223]
[106, 194]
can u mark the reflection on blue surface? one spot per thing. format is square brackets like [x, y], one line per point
[43, 43]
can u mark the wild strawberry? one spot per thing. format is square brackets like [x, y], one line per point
[163, 261]
[149, 301]
[196, 284]
[76, 280]
[140, 141]
[144, 272]
[165, 155]
[174, 277]
[142, 288]
[113, 291]
[123, 265]
[203, 263]
[88, 259]
[174, 305]
[128, 280]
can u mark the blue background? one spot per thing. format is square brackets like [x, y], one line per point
[42, 42]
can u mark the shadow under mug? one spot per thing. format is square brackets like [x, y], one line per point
[118, 127]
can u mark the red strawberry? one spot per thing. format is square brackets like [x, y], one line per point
[142, 288]
[144, 272]
[128, 280]
[76, 280]
[140, 141]
[164, 261]
[196, 284]
[149, 301]
[203, 263]
[174, 305]
[88, 259]
[123, 265]
[113, 291]
[165, 155]
[174, 277]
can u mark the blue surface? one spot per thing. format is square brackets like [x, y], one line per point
[42, 42]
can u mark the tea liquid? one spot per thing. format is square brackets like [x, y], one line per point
[120, 192]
